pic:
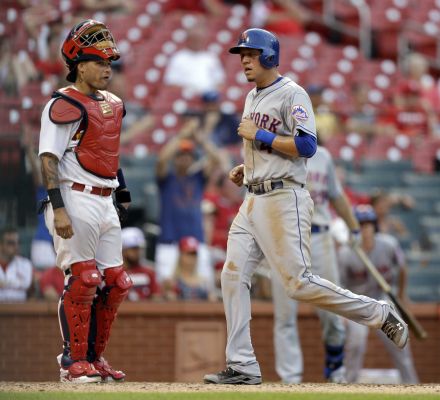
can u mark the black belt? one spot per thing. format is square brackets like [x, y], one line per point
[320, 228]
[261, 188]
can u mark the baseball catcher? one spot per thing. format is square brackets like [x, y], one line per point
[79, 151]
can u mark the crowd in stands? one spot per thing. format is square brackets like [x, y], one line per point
[183, 96]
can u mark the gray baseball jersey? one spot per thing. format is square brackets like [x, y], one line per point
[282, 108]
[386, 255]
[276, 225]
[323, 185]
[388, 258]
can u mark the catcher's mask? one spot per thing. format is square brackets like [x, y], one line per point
[90, 40]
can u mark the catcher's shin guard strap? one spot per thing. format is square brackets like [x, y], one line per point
[117, 284]
[76, 303]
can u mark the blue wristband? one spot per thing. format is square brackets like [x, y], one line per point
[265, 136]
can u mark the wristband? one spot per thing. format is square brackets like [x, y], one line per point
[121, 180]
[123, 196]
[55, 198]
[265, 136]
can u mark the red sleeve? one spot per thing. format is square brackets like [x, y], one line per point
[388, 116]
[357, 198]
[155, 287]
[52, 277]
[44, 281]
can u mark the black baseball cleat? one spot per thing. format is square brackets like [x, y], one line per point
[231, 377]
[395, 328]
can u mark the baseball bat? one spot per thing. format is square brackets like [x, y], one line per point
[409, 318]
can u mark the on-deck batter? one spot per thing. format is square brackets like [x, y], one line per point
[274, 221]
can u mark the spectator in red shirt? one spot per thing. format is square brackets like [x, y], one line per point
[416, 70]
[283, 17]
[52, 283]
[221, 202]
[145, 286]
[51, 67]
[409, 116]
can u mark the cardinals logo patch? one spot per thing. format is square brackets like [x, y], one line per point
[299, 113]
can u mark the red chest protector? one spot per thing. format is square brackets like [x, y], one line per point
[98, 147]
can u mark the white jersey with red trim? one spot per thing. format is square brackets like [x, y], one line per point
[61, 140]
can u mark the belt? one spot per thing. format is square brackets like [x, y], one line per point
[94, 190]
[320, 228]
[268, 186]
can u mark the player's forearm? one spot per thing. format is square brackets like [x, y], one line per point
[285, 145]
[301, 145]
[49, 171]
[343, 209]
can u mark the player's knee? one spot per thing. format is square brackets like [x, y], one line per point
[231, 278]
[292, 288]
[84, 280]
[228, 276]
[117, 285]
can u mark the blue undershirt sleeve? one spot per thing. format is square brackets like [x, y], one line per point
[306, 144]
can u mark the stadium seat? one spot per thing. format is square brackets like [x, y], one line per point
[424, 284]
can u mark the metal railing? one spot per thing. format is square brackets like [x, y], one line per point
[363, 33]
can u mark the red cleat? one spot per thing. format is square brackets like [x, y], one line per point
[80, 372]
[108, 374]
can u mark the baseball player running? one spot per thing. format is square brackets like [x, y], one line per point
[274, 221]
[325, 189]
[79, 151]
[384, 251]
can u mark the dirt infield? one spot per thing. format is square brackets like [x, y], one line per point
[195, 387]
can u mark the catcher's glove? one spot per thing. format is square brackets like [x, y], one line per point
[122, 212]
[122, 196]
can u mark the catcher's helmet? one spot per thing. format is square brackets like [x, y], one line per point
[263, 40]
[365, 213]
[89, 40]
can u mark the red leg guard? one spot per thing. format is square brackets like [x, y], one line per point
[77, 300]
[117, 284]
